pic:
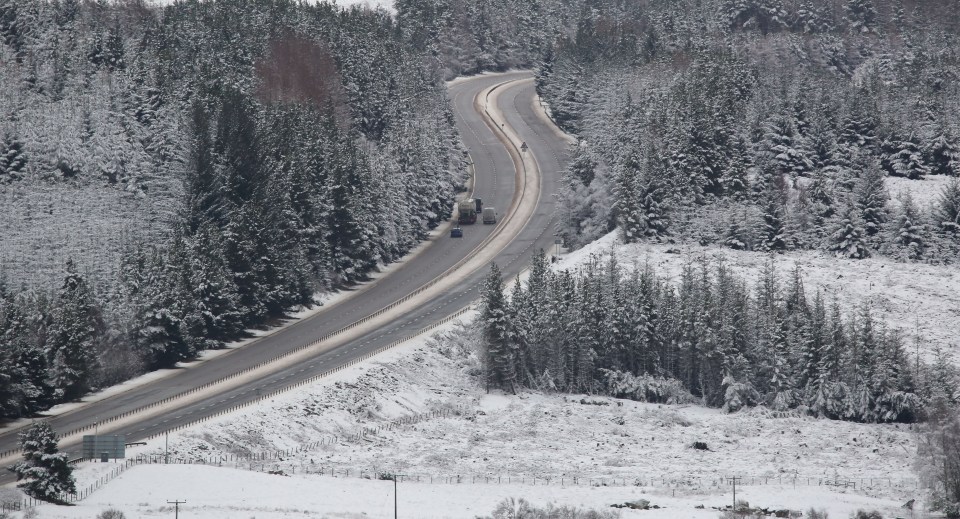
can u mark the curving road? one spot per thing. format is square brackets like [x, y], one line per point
[496, 181]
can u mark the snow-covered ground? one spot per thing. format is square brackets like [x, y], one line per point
[224, 493]
[925, 192]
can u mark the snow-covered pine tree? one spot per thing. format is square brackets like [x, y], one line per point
[76, 327]
[734, 180]
[810, 19]
[783, 395]
[946, 212]
[13, 159]
[210, 316]
[738, 390]
[773, 235]
[862, 362]
[832, 391]
[861, 15]
[910, 228]
[627, 200]
[737, 235]
[871, 199]
[764, 15]
[158, 298]
[45, 473]
[942, 378]
[942, 152]
[500, 358]
[12, 373]
[847, 239]
[790, 151]
[589, 325]
[893, 396]
[903, 158]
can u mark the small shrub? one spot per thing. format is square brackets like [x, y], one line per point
[861, 514]
[700, 446]
[111, 513]
[742, 515]
[521, 509]
[817, 514]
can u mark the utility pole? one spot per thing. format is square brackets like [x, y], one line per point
[166, 445]
[176, 507]
[394, 478]
[734, 481]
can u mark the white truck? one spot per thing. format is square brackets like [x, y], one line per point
[489, 215]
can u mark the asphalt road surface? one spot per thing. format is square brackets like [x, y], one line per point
[495, 180]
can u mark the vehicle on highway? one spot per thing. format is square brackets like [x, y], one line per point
[489, 215]
[468, 210]
[456, 232]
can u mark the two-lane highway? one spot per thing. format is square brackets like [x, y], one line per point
[496, 181]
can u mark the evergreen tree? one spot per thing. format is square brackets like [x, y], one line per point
[861, 15]
[157, 299]
[942, 152]
[773, 234]
[782, 382]
[946, 212]
[847, 240]
[76, 328]
[789, 149]
[910, 233]
[871, 199]
[45, 473]
[25, 362]
[738, 390]
[499, 352]
[903, 158]
[13, 159]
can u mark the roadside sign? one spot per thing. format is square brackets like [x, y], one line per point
[104, 447]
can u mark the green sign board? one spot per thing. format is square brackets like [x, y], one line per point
[100, 447]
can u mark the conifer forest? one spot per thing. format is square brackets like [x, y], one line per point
[172, 176]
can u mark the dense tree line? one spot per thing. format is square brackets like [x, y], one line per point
[710, 337]
[763, 125]
[295, 147]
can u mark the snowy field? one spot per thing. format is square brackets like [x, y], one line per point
[925, 192]
[223, 493]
